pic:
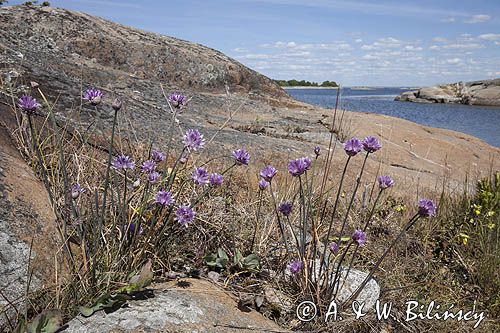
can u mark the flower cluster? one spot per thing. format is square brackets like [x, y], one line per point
[263, 184]
[184, 215]
[94, 96]
[299, 166]
[200, 176]
[216, 179]
[158, 156]
[285, 208]
[295, 266]
[148, 166]
[371, 144]
[123, 162]
[193, 140]
[267, 173]
[385, 182]
[28, 104]
[76, 190]
[177, 100]
[164, 198]
[241, 157]
[359, 237]
[353, 146]
[426, 208]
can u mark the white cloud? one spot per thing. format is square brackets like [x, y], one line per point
[454, 61]
[359, 40]
[413, 48]
[449, 20]
[489, 37]
[468, 46]
[480, 18]
[439, 40]
[434, 47]
[240, 50]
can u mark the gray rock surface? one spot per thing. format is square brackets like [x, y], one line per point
[193, 306]
[485, 92]
[25, 217]
[349, 283]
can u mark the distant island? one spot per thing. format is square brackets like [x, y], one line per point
[484, 92]
[303, 83]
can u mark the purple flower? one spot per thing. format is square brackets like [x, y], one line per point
[299, 166]
[334, 247]
[200, 176]
[93, 95]
[317, 151]
[193, 140]
[28, 104]
[268, 173]
[353, 146]
[295, 266]
[263, 184]
[131, 229]
[123, 162]
[158, 156]
[241, 157]
[426, 208]
[371, 144]
[164, 198]
[148, 166]
[385, 182]
[177, 100]
[359, 237]
[285, 208]
[184, 215]
[216, 179]
[153, 177]
[76, 190]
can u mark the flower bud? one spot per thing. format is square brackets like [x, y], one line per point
[117, 104]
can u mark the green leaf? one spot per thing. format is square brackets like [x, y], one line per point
[49, 321]
[238, 257]
[251, 262]
[221, 262]
[222, 254]
[210, 259]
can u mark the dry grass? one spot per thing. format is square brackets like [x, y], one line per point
[428, 264]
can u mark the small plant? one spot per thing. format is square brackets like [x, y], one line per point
[217, 260]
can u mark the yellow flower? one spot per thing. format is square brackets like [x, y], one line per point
[477, 209]
[463, 238]
[491, 225]
[490, 213]
[400, 208]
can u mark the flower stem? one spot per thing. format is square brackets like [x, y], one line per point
[108, 167]
[410, 223]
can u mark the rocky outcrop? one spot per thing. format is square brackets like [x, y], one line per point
[61, 50]
[485, 92]
[27, 225]
[92, 49]
[189, 305]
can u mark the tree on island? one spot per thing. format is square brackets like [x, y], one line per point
[303, 83]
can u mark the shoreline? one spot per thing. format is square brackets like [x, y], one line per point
[306, 87]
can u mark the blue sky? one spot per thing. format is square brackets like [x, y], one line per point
[365, 42]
